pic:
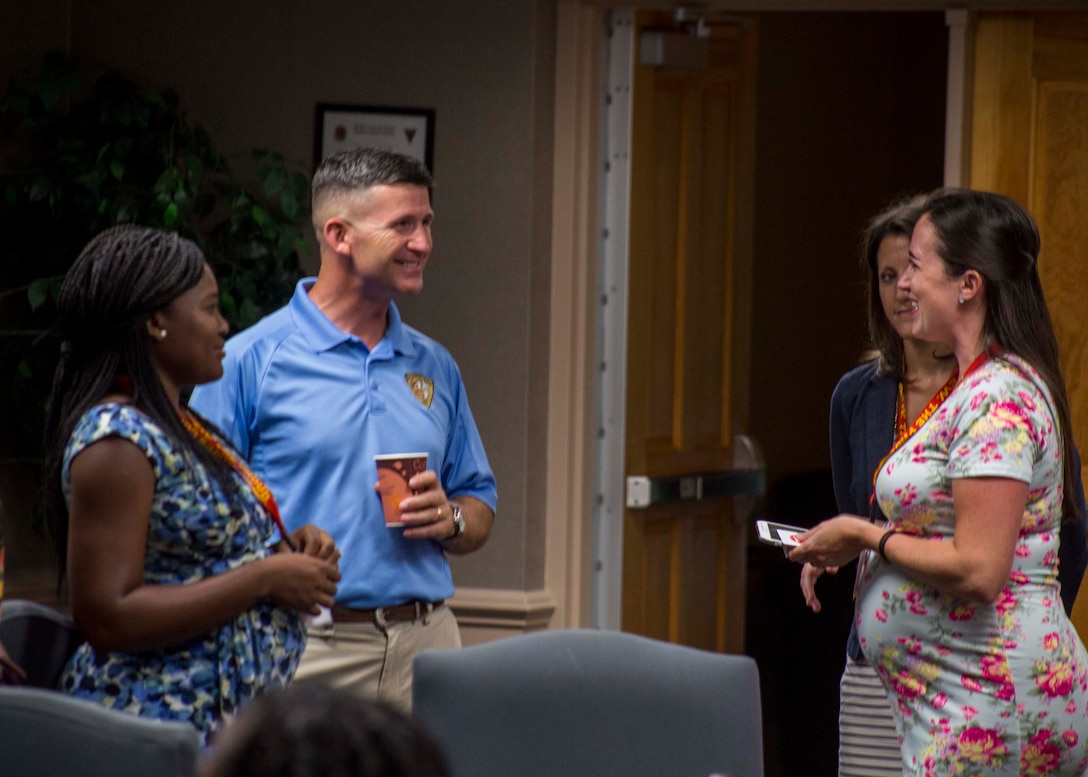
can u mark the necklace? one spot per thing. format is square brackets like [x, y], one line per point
[256, 485]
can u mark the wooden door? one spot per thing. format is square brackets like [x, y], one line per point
[1029, 140]
[690, 255]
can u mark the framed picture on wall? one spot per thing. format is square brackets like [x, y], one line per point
[408, 131]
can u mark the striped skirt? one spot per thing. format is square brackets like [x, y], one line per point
[868, 740]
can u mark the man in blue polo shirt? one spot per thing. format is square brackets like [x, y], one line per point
[311, 393]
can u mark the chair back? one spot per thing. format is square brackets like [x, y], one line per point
[591, 702]
[39, 639]
[44, 732]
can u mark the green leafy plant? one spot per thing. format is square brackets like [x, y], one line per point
[73, 163]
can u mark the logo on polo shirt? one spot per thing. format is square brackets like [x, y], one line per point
[421, 386]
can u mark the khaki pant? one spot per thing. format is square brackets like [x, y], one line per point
[375, 663]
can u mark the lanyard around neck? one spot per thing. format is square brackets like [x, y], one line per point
[256, 485]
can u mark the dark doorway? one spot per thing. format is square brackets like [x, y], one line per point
[851, 115]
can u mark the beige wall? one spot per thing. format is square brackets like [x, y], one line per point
[252, 71]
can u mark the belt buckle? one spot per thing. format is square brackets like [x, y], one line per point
[423, 609]
[379, 618]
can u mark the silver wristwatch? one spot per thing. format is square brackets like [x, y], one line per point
[458, 521]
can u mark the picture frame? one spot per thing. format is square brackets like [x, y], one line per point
[406, 130]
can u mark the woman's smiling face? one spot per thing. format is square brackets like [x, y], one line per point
[189, 335]
[892, 258]
[931, 292]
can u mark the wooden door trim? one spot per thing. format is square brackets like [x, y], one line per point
[1002, 112]
[573, 317]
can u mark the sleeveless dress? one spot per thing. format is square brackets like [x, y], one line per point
[194, 533]
[979, 689]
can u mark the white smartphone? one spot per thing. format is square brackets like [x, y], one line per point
[780, 534]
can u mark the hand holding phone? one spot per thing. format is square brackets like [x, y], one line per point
[779, 534]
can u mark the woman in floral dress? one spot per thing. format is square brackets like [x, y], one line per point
[959, 607]
[188, 607]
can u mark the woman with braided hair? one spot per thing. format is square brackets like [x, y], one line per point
[187, 592]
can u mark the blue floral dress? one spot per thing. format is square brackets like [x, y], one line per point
[980, 689]
[194, 533]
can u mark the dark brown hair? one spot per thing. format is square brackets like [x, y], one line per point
[997, 238]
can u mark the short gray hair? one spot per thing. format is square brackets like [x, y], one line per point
[358, 169]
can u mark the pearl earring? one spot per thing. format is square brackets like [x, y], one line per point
[162, 332]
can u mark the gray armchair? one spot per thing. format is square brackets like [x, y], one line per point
[591, 702]
[45, 733]
[38, 638]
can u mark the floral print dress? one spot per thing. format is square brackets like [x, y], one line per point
[979, 689]
[194, 533]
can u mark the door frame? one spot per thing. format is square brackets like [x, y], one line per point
[574, 374]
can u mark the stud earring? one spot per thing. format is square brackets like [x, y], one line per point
[962, 300]
[162, 332]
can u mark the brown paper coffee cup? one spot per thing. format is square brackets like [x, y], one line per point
[394, 472]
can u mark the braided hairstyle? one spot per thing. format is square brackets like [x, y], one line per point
[122, 277]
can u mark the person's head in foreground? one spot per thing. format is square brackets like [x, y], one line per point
[312, 730]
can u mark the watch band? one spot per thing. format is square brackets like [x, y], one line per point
[458, 521]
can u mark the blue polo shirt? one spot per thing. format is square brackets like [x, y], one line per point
[309, 406]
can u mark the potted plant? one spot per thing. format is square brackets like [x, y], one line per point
[75, 161]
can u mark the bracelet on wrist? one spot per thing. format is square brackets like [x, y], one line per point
[883, 542]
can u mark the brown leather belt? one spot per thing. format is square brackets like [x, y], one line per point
[382, 616]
